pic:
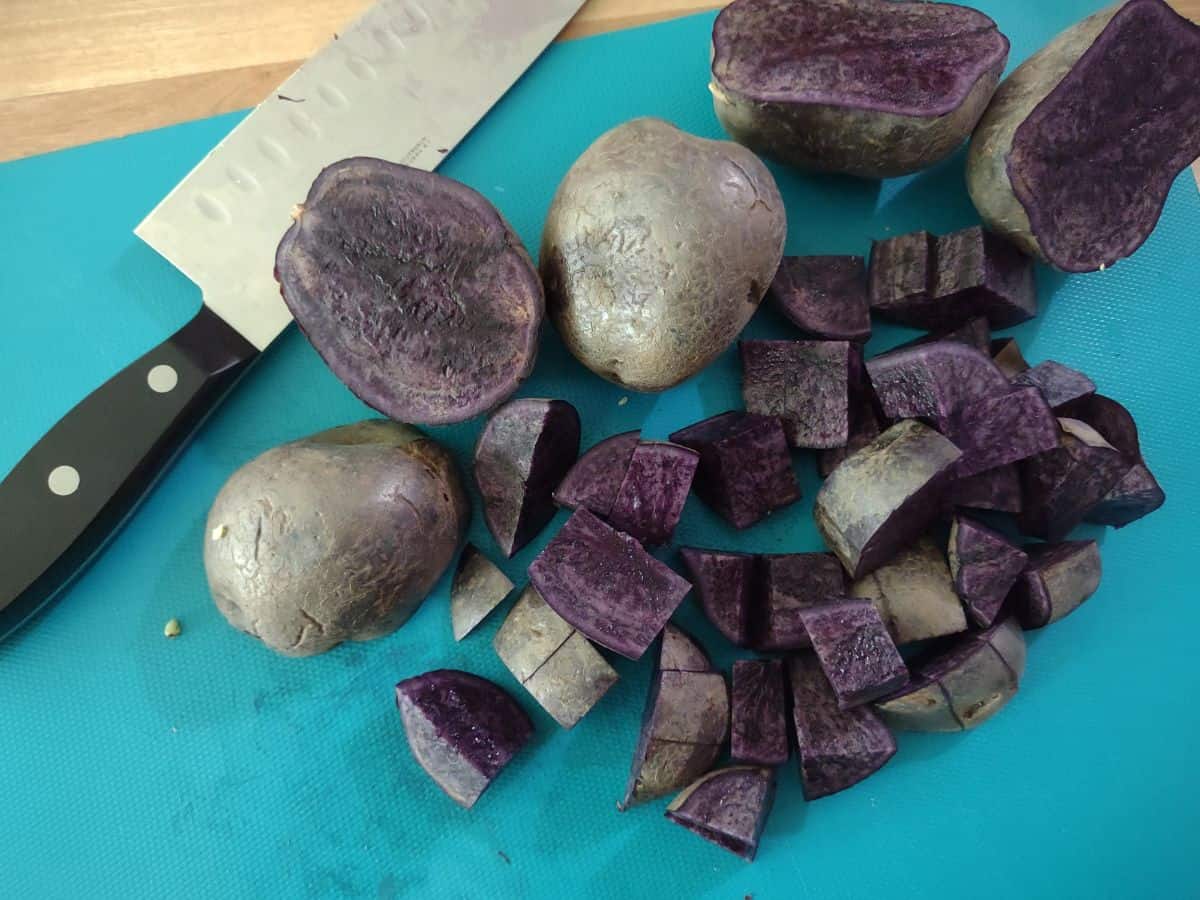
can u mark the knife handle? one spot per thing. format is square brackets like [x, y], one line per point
[72, 491]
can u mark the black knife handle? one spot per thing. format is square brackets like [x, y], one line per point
[70, 493]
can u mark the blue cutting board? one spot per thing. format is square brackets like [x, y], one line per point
[134, 766]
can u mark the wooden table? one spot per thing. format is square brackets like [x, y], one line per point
[74, 71]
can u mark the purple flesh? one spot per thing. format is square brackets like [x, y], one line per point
[837, 748]
[414, 290]
[980, 274]
[522, 454]
[914, 594]
[997, 489]
[728, 807]
[1006, 354]
[996, 431]
[1058, 383]
[824, 296]
[723, 582]
[864, 422]
[1057, 580]
[803, 383]
[758, 728]
[974, 333]
[985, 565]
[606, 586]
[901, 271]
[856, 652]
[788, 583]
[462, 729]
[651, 498]
[1112, 420]
[745, 469]
[593, 482]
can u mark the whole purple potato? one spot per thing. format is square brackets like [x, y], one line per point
[657, 250]
[335, 537]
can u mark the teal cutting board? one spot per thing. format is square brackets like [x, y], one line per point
[206, 766]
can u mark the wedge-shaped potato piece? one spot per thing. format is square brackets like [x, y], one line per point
[985, 565]
[724, 582]
[803, 383]
[728, 807]
[478, 587]
[758, 727]
[914, 594]
[786, 584]
[855, 650]
[824, 296]
[592, 483]
[655, 488]
[1056, 581]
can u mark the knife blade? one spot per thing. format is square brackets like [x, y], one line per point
[406, 82]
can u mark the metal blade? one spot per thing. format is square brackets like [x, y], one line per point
[406, 83]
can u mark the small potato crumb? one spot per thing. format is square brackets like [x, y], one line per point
[622, 401]
[219, 532]
[172, 629]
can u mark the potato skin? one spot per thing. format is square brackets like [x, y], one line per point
[657, 250]
[335, 537]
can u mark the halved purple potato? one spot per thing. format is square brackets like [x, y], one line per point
[856, 652]
[837, 747]
[592, 483]
[870, 88]
[995, 431]
[564, 673]
[522, 454]
[997, 489]
[606, 585]
[1060, 487]
[462, 729]
[934, 381]
[885, 495]
[724, 582]
[413, 288]
[803, 383]
[1006, 354]
[758, 723]
[478, 587]
[745, 469]
[974, 333]
[788, 583]
[963, 686]
[824, 296]
[985, 565]
[1081, 143]
[900, 272]
[914, 594]
[651, 497]
[728, 807]
[1059, 384]
[1057, 580]
[685, 722]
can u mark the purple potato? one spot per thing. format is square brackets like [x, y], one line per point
[985, 565]
[803, 383]
[914, 594]
[522, 454]
[1110, 419]
[564, 673]
[997, 489]
[980, 274]
[413, 288]
[592, 483]
[684, 725]
[824, 296]
[865, 87]
[1078, 149]
[728, 807]
[745, 469]
[900, 272]
[478, 587]
[837, 747]
[885, 495]
[856, 652]
[724, 582]
[864, 428]
[651, 497]
[787, 584]
[758, 729]
[1006, 354]
[462, 729]
[1059, 384]
[1061, 486]
[963, 686]
[996, 431]
[606, 585]
[974, 333]
[1057, 580]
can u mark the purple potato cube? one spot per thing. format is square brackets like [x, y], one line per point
[651, 498]
[803, 383]
[974, 332]
[788, 583]
[758, 725]
[837, 747]
[985, 565]
[856, 652]
[824, 296]
[745, 469]
[606, 585]
[1059, 384]
[1057, 580]
[864, 422]
[980, 274]
[914, 594]
[592, 483]
[996, 431]
[728, 807]
[723, 582]
[900, 272]
[1006, 354]
[997, 489]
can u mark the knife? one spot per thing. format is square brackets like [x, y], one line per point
[406, 82]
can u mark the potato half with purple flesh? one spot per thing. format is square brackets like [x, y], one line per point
[1057, 580]
[1059, 384]
[685, 722]
[985, 565]
[803, 383]
[855, 650]
[864, 87]
[885, 495]
[824, 296]
[997, 489]
[788, 583]
[758, 722]
[478, 587]
[1003, 429]
[914, 594]
[413, 288]
[1077, 151]
[593, 481]
[728, 807]
[462, 729]
[606, 585]
[724, 583]
[656, 486]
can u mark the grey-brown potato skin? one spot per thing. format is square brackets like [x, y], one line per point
[914, 594]
[657, 250]
[335, 537]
